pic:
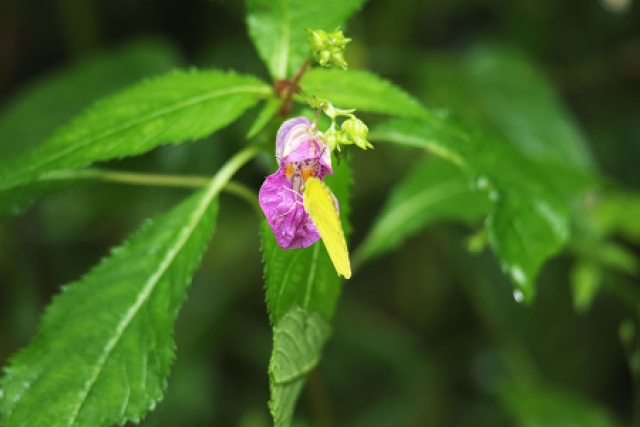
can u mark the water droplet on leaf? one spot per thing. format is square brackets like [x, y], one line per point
[482, 182]
[518, 295]
[518, 275]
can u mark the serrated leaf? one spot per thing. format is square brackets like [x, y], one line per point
[528, 223]
[283, 401]
[434, 190]
[40, 108]
[105, 344]
[278, 28]
[520, 101]
[297, 341]
[361, 90]
[177, 107]
[298, 338]
[301, 281]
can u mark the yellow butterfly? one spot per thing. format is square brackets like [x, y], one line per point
[319, 204]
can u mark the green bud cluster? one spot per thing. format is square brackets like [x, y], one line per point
[328, 48]
[353, 131]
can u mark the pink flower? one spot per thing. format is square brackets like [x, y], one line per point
[302, 152]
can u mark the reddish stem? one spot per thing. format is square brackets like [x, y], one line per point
[285, 89]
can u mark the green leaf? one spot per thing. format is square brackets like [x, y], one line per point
[298, 338]
[502, 90]
[278, 28]
[269, 110]
[618, 213]
[433, 191]
[536, 406]
[528, 223]
[302, 290]
[177, 107]
[361, 90]
[105, 345]
[520, 101]
[54, 99]
[585, 283]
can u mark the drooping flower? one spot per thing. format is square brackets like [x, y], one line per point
[302, 152]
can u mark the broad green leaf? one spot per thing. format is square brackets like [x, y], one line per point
[433, 191]
[177, 107]
[302, 290]
[361, 90]
[105, 344]
[520, 101]
[278, 28]
[536, 406]
[298, 338]
[36, 111]
[502, 90]
[528, 222]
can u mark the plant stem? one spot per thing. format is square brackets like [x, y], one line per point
[160, 180]
[221, 179]
[286, 88]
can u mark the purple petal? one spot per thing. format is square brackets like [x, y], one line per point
[284, 130]
[301, 146]
[285, 214]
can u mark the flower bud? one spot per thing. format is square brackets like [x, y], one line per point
[356, 131]
[328, 48]
[338, 59]
[318, 40]
[332, 141]
[337, 39]
[323, 58]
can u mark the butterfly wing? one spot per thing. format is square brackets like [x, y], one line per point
[318, 203]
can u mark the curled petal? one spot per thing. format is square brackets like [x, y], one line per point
[285, 213]
[308, 146]
[284, 130]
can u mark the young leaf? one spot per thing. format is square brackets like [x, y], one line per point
[434, 190]
[177, 107]
[278, 29]
[50, 102]
[302, 290]
[361, 90]
[528, 223]
[105, 344]
[298, 338]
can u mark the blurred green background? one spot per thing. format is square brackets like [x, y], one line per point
[428, 335]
